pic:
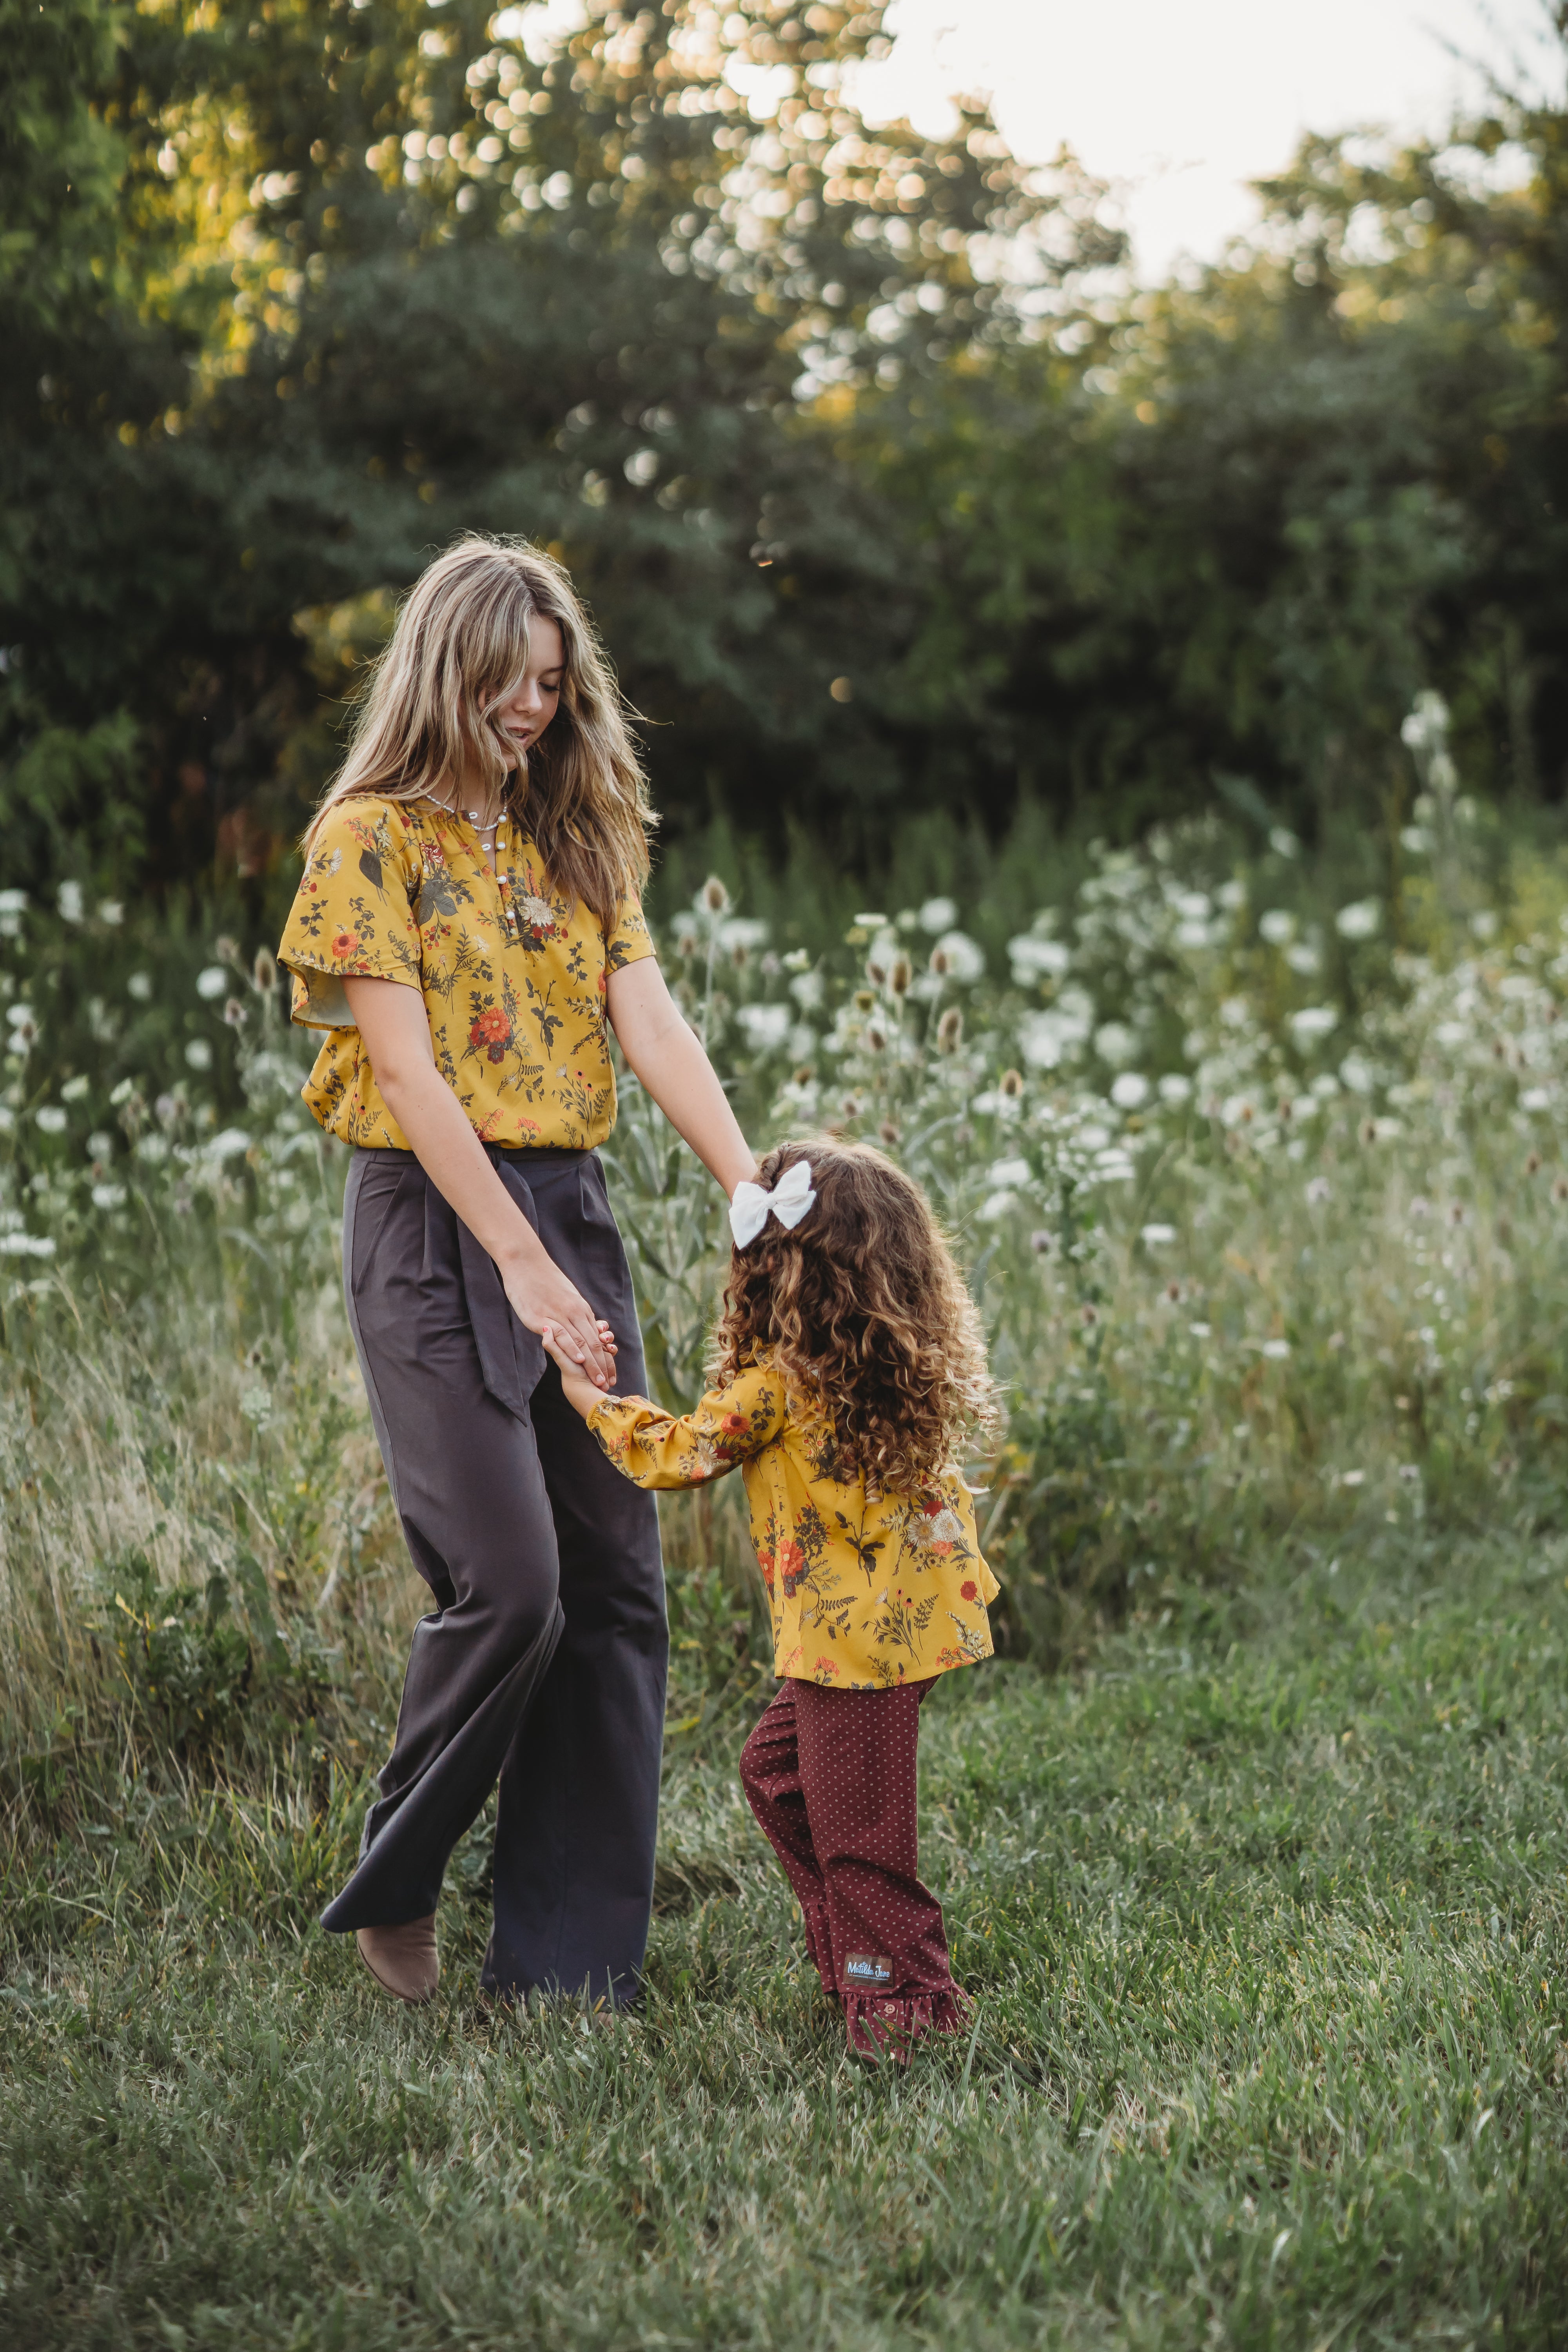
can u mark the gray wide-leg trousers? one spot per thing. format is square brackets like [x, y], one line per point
[543, 1666]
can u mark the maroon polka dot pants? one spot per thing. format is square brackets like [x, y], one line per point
[831, 1777]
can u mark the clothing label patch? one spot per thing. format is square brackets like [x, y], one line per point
[869, 1968]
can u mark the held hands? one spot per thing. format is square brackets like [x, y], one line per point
[545, 1301]
[581, 1394]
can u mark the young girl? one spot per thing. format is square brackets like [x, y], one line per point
[467, 931]
[851, 1367]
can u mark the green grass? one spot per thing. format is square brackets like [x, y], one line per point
[1265, 1917]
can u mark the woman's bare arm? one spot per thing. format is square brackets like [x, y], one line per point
[667, 1058]
[391, 1018]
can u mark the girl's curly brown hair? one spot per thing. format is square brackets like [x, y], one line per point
[864, 1311]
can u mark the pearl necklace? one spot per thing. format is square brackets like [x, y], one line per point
[488, 843]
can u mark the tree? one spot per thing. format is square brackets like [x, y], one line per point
[404, 275]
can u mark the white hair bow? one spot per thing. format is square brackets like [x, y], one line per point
[789, 1201]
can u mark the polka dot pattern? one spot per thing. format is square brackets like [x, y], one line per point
[831, 1776]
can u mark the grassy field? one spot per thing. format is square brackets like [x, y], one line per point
[1253, 1841]
[1265, 1915]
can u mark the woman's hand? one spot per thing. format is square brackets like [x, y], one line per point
[580, 1393]
[543, 1300]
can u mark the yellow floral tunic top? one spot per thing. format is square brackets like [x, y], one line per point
[512, 975]
[865, 1594]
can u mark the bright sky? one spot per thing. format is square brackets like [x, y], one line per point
[1183, 101]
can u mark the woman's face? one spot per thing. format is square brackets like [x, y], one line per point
[529, 708]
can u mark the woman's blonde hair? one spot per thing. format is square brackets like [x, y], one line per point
[460, 648]
[862, 1307]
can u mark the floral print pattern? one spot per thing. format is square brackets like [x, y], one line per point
[513, 975]
[867, 1591]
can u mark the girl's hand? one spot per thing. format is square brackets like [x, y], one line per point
[580, 1393]
[545, 1301]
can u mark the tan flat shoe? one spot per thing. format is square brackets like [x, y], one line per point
[403, 1959]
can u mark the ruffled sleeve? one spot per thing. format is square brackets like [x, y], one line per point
[628, 940]
[654, 1448]
[353, 916]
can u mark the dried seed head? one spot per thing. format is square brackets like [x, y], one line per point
[1042, 1243]
[950, 1031]
[864, 1000]
[850, 1106]
[1532, 1164]
[1088, 1314]
[801, 1075]
[740, 955]
[1173, 1290]
[715, 897]
[941, 963]
[1369, 1131]
[888, 1133]
[1286, 1107]
[875, 972]
[1010, 1083]
[1246, 1114]
[225, 950]
[1560, 1188]
[686, 945]
[235, 1014]
[1499, 1051]
[1457, 1213]
[901, 974]
[876, 1037]
[264, 973]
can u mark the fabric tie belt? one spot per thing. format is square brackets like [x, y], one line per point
[511, 1357]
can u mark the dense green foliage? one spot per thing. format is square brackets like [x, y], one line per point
[292, 290]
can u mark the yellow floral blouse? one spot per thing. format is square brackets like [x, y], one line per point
[512, 975]
[865, 1594]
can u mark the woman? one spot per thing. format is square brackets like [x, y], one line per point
[467, 926]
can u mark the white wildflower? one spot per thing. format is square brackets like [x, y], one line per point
[1157, 1236]
[937, 915]
[109, 1196]
[1115, 1043]
[764, 1027]
[139, 986]
[1359, 921]
[212, 983]
[70, 901]
[1175, 1089]
[51, 1118]
[199, 1054]
[226, 1143]
[1008, 1174]
[1129, 1091]
[111, 912]
[995, 1206]
[26, 1245]
[1277, 1349]
[964, 960]
[1312, 1022]
[1034, 960]
[1277, 927]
